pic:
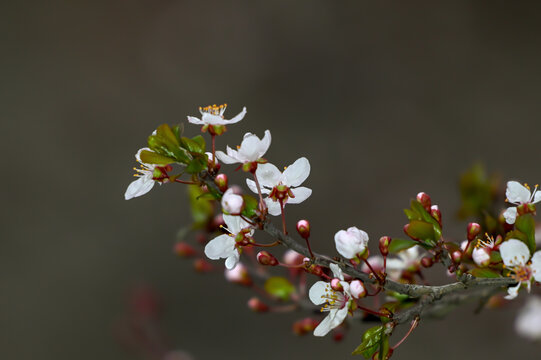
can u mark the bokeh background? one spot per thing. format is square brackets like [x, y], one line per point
[386, 99]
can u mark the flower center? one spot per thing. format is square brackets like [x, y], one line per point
[522, 273]
[335, 300]
[213, 109]
[488, 243]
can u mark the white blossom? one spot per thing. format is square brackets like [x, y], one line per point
[519, 194]
[406, 260]
[214, 115]
[351, 242]
[145, 181]
[516, 257]
[225, 246]
[336, 303]
[285, 185]
[528, 321]
[251, 149]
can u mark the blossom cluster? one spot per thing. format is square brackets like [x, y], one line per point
[506, 251]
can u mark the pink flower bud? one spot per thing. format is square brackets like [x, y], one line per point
[351, 243]
[232, 203]
[303, 227]
[357, 289]
[239, 275]
[473, 230]
[304, 326]
[456, 256]
[384, 243]
[202, 266]
[183, 249]
[336, 285]
[266, 258]
[424, 199]
[221, 182]
[257, 305]
[293, 258]
[427, 262]
[436, 213]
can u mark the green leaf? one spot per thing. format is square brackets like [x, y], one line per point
[150, 157]
[197, 165]
[178, 130]
[397, 245]
[201, 141]
[166, 143]
[193, 146]
[250, 206]
[423, 231]
[371, 342]
[526, 224]
[279, 287]
[484, 273]
[478, 191]
[516, 234]
[419, 209]
[412, 215]
[202, 208]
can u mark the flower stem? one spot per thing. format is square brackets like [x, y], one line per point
[284, 218]
[266, 245]
[373, 312]
[262, 205]
[414, 324]
[185, 182]
[380, 280]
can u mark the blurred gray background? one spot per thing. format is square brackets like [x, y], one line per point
[386, 99]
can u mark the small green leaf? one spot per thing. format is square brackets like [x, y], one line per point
[197, 165]
[202, 208]
[516, 234]
[423, 231]
[193, 146]
[484, 273]
[279, 287]
[419, 209]
[526, 224]
[412, 215]
[201, 141]
[165, 132]
[150, 157]
[166, 143]
[178, 130]
[250, 206]
[397, 245]
[371, 342]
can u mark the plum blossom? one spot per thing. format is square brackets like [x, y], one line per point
[225, 246]
[282, 187]
[351, 242]
[407, 260]
[214, 115]
[516, 257]
[528, 321]
[232, 203]
[145, 181]
[336, 302]
[250, 150]
[519, 194]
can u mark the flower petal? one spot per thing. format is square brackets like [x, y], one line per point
[138, 154]
[318, 291]
[139, 187]
[237, 118]
[514, 253]
[296, 173]
[536, 197]
[195, 120]
[336, 271]
[251, 184]
[536, 266]
[335, 318]
[268, 175]
[265, 143]
[517, 193]
[211, 119]
[273, 207]
[220, 247]
[249, 148]
[513, 292]
[301, 193]
[510, 215]
[232, 260]
[227, 159]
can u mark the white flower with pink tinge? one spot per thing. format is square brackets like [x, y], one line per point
[351, 242]
[528, 322]
[284, 186]
[519, 194]
[224, 246]
[407, 260]
[214, 115]
[145, 181]
[251, 149]
[516, 258]
[336, 302]
[232, 203]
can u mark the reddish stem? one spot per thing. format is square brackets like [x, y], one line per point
[266, 245]
[309, 248]
[373, 312]
[284, 219]
[185, 182]
[372, 270]
[262, 205]
[413, 326]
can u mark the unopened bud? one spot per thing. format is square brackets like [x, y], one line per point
[424, 199]
[436, 213]
[221, 181]
[202, 266]
[293, 258]
[456, 256]
[312, 268]
[427, 262]
[184, 249]
[336, 285]
[384, 243]
[266, 258]
[257, 305]
[303, 227]
[232, 203]
[357, 289]
[481, 256]
[304, 326]
[473, 230]
[239, 275]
